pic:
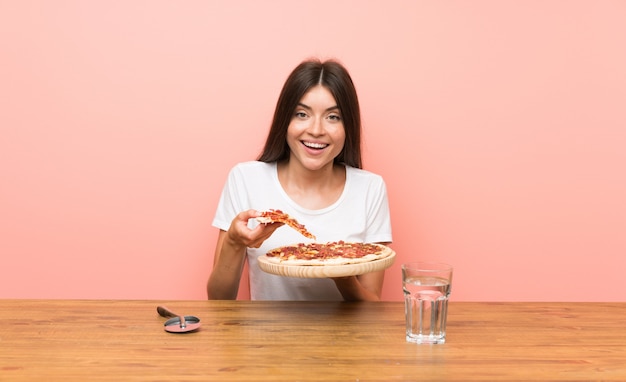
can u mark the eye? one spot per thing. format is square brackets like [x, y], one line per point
[334, 117]
[300, 114]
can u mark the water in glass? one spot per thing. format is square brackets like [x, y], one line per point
[426, 305]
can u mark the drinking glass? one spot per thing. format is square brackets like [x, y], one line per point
[426, 288]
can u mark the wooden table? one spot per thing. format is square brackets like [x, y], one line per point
[308, 341]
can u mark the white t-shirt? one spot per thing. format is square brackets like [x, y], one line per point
[361, 214]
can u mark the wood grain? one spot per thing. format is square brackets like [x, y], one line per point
[308, 341]
[326, 271]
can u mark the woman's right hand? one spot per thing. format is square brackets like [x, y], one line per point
[230, 254]
[241, 236]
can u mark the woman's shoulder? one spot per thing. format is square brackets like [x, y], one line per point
[254, 167]
[362, 175]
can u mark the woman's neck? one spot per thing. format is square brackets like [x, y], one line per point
[312, 189]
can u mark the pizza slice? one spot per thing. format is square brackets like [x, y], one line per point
[278, 216]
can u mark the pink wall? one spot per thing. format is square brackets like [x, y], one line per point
[500, 128]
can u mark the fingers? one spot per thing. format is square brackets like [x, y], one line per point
[244, 216]
[253, 238]
[262, 232]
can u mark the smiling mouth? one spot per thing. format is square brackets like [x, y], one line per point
[316, 146]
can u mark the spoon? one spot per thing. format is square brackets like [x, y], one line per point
[178, 323]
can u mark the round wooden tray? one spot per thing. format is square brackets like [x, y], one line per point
[322, 271]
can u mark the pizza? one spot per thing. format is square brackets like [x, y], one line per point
[333, 253]
[278, 216]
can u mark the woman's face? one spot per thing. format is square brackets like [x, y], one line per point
[315, 134]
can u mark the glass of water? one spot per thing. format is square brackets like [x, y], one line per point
[426, 288]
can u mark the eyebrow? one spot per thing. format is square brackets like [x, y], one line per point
[310, 108]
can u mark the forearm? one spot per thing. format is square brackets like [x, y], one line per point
[352, 289]
[224, 281]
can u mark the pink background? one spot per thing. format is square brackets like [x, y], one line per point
[499, 126]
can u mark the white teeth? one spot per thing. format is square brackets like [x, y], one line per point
[314, 145]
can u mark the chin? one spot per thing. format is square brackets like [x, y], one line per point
[313, 164]
[318, 167]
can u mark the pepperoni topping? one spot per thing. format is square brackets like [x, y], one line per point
[336, 249]
[281, 217]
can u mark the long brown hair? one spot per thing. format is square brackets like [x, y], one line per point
[310, 73]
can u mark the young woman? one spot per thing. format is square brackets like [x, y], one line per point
[310, 168]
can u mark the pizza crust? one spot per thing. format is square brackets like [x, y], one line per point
[265, 220]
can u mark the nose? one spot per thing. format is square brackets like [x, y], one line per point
[317, 126]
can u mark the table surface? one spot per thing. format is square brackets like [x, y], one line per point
[302, 341]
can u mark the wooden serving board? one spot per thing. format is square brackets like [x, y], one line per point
[323, 271]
